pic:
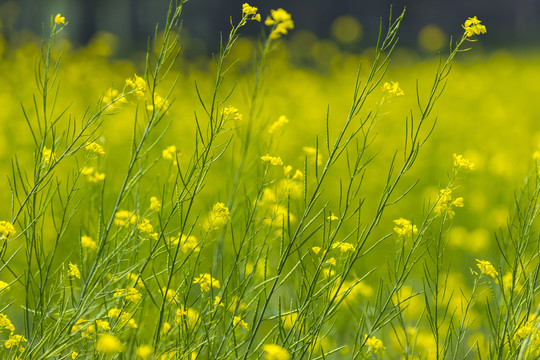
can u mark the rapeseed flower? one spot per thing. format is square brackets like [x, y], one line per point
[393, 88]
[130, 293]
[344, 246]
[14, 340]
[88, 243]
[375, 345]
[486, 268]
[95, 148]
[278, 125]
[272, 160]
[4, 285]
[250, 13]
[109, 344]
[313, 155]
[155, 204]
[6, 229]
[138, 86]
[218, 216]
[206, 282]
[74, 271]
[461, 163]
[405, 228]
[59, 19]
[281, 22]
[275, 352]
[332, 217]
[237, 320]
[445, 204]
[473, 27]
[47, 156]
[5, 323]
[170, 153]
[144, 351]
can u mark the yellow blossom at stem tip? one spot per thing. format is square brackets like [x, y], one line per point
[473, 27]
[486, 268]
[59, 19]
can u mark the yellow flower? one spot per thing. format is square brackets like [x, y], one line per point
[159, 102]
[275, 352]
[108, 344]
[166, 327]
[250, 12]
[92, 175]
[145, 226]
[331, 261]
[405, 228]
[272, 160]
[88, 243]
[316, 249]
[5, 323]
[78, 324]
[332, 217]
[14, 340]
[218, 216]
[144, 351]
[74, 354]
[155, 204]
[59, 19]
[375, 345]
[47, 155]
[486, 268]
[473, 27]
[393, 88]
[130, 293]
[232, 113]
[187, 243]
[278, 125]
[170, 153]
[104, 325]
[206, 282]
[74, 271]
[444, 203]
[344, 246]
[95, 148]
[237, 320]
[461, 163]
[313, 155]
[124, 218]
[138, 86]
[6, 229]
[281, 22]
[4, 285]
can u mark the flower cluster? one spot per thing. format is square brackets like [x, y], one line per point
[473, 27]
[278, 125]
[250, 13]
[95, 148]
[138, 86]
[486, 268]
[375, 345]
[281, 22]
[218, 216]
[445, 203]
[462, 163]
[6, 229]
[393, 88]
[405, 228]
[206, 282]
[272, 160]
[92, 175]
[275, 352]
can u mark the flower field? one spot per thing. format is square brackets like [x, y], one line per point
[273, 201]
